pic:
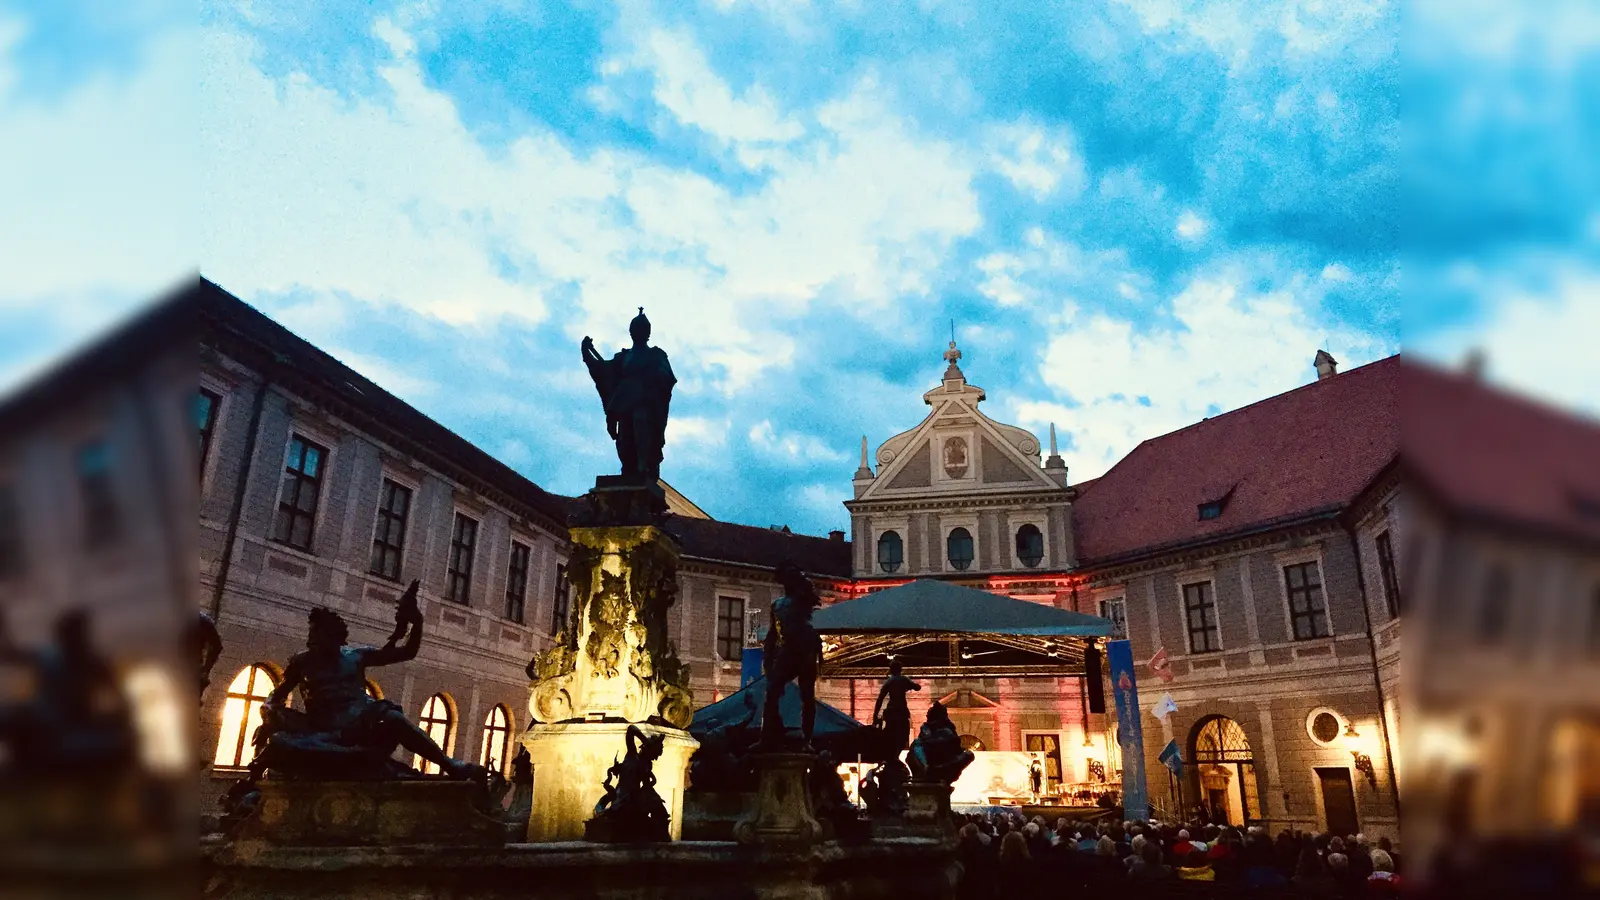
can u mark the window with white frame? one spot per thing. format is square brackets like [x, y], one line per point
[1116, 611]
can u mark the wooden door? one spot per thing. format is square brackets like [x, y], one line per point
[1339, 801]
[1049, 745]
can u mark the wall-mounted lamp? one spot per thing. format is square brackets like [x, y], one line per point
[1362, 761]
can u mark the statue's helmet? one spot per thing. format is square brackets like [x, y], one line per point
[639, 328]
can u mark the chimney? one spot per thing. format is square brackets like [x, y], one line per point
[1327, 366]
[836, 536]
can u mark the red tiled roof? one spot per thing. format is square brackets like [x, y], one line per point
[1307, 451]
[1498, 455]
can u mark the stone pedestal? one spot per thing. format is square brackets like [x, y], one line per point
[782, 813]
[368, 814]
[570, 760]
[929, 806]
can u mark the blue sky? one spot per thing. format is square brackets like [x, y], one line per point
[1136, 212]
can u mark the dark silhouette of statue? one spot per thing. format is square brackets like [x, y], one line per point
[937, 755]
[631, 811]
[635, 388]
[891, 714]
[74, 718]
[206, 645]
[343, 733]
[884, 788]
[792, 651]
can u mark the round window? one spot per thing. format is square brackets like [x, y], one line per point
[1325, 726]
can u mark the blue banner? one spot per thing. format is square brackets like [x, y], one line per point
[1130, 730]
[749, 665]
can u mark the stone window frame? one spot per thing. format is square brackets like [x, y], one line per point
[948, 524]
[318, 433]
[878, 562]
[1039, 519]
[877, 525]
[718, 593]
[450, 571]
[1282, 560]
[1184, 580]
[219, 417]
[1344, 723]
[526, 572]
[1388, 572]
[1099, 610]
[407, 530]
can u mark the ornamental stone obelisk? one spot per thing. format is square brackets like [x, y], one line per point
[612, 665]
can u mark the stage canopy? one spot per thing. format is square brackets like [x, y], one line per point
[937, 629]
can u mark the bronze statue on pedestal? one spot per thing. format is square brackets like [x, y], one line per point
[792, 651]
[635, 388]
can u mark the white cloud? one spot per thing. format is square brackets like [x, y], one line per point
[390, 199]
[1058, 274]
[1191, 227]
[1037, 160]
[1224, 347]
[792, 447]
[1539, 341]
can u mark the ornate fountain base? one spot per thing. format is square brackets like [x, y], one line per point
[570, 760]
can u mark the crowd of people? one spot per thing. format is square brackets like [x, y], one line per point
[1003, 854]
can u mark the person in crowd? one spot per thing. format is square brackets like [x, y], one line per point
[1149, 867]
[977, 865]
[1383, 882]
[1260, 864]
[1182, 846]
[1311, 874]
[1387, 846]
[1016, 866]
[1195, 867]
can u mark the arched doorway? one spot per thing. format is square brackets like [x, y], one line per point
[1225, 770]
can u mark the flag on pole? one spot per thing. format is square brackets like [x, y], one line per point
[1160, 666]
[1164, 707]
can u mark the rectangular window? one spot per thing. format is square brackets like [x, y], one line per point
[11, 549]
[1116, 611]
[1200, 614]
[562, 604]
[205, 415]
[389, 535]
[463, 543]
[1391, 580]
[297, 500]
[730, 627]
[517, 581]
[102, 521]
[1308, 613]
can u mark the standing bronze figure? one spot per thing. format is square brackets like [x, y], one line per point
[635, 388]
[792, 651]
[892, 714]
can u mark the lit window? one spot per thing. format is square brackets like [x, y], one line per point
[102, 523]
[1030, 545]
[11, 547]
[1200, 614]
[161, 721]
[1495, 608]
[463, 542]
[561, 606]
[1386, 569]
[730, 627]
[1117, 613]
[205, 416]
[517, 581]
[241, 716]
[437, 722]
[891, 551]
[1310, 614]
[389, 535]
[297, 500]
[496, 740]
[958, 548]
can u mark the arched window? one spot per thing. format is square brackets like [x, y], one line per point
[496, 740]
[1030, 545]
[241, 715]
[891, 551]
[439, 721]
[159, 718]
[958, 548]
